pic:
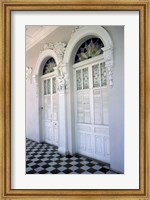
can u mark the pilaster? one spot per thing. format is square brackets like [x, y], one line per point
[63, 143]
[108, 57]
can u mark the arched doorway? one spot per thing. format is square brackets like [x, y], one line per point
[45, 82]
[89, 92]
[91, 101]
[49, 103]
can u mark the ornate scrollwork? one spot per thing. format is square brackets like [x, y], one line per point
[62, 75]
[61, 85]
[59, 48]
[61, 70]
[48, 46]
[108, 57]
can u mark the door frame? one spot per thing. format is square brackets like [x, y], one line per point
[87, 63]
[46, 76]
[78, 37]
[37, 73]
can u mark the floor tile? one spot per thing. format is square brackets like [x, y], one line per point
[43, 158]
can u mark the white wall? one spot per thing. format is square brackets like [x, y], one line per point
[32, 107]
[32, 114]
[116, 97]
[116, 101]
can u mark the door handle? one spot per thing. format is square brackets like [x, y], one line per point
[41, 107]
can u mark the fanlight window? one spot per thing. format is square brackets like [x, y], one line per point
[49, 66]
[89, 49]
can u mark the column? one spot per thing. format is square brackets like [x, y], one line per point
[62, 146]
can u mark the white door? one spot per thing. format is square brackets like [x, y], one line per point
[50, 110]
[91, 108]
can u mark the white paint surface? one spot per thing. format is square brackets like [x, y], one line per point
[128, 180]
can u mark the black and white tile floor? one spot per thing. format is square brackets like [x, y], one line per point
[43, 158]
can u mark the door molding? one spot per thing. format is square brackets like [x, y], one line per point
[49, 50]
[53, 122]
[92, 138]
[84, 33]
[78, 37]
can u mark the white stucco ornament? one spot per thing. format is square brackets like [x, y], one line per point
[63, 67]
[29, 73]
[75, 30]
[48, 46]
[56, 70]
[61, 85]
[58, 48]
[108, 57]
[61, 72]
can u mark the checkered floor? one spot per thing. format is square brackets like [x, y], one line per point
[43, 158]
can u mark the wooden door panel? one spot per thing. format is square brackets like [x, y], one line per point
[55, 107]
[99, 148]
[91, 94]
[88, 143]
[105, 106]
[50, 111]
[107, 146]
[97, 106]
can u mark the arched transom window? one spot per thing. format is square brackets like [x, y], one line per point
[89, 49]
[49, 66]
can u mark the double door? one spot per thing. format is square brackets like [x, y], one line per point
[91, 110]
[49, 109]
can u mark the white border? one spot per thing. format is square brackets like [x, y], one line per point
[129, 180]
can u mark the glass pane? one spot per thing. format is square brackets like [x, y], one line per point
[44, 87]
[85, 78]
[48, 86]
[96, 75]
[89, 49]
[78, 80]
[54, 85]
[103, 75]
[49, 66]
